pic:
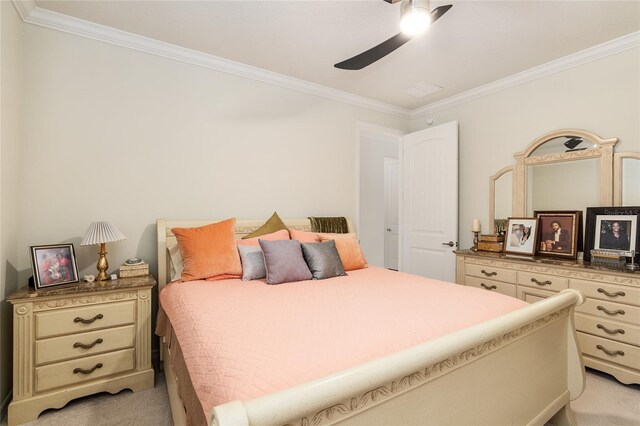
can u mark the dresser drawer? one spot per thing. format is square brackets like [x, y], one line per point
[76, 320]
[546, 282]
[610, 292]
[610, 310]
[62, 373]
[498, 287]
[608, 350]
[609, 329]
[533, 295]
[60, 348]
[489, 272]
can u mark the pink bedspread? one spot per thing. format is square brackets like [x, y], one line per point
[242, 340]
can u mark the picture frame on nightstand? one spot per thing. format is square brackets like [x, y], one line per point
[53, 265]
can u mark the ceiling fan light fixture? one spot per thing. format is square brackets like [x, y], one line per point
[416, 17]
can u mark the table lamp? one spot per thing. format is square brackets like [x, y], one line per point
[102, 233]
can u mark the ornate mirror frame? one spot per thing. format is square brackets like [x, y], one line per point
[602, 150]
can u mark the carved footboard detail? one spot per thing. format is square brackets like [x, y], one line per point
[380, 393]
[501, 361]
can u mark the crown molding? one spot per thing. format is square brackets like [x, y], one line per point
[32, 14]
[599, 51]
[24, 8]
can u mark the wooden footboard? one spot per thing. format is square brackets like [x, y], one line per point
[521, 368]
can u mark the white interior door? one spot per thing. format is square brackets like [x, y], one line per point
[429, 209]
[391, 212]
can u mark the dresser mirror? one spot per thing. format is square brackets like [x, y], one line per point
[562, 186]
[626, 179]
[562, 170]
[501, 194]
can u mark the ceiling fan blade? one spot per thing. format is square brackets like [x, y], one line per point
[439, 11]
[383, 49]
[375, 53]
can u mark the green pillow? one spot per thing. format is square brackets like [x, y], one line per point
[272, 225]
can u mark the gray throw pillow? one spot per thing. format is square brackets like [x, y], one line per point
[252, 263]
[323, 260]
[284, 262]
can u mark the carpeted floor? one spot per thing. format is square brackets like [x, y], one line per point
[604, 402]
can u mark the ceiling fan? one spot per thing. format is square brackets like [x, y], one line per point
[416, 18]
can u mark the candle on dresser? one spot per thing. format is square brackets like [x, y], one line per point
[476, 225]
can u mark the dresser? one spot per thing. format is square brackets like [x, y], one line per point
[75, 341]
[608, 322]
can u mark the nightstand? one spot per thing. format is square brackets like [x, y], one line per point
[75, 341]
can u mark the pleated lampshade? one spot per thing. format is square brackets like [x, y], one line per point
[101, 232]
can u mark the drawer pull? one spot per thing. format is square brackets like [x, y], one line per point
[608, 312]
[547, 282]
[612, 353]
[606, 293]
[606, 330]
[89, 346]
[91, 370]
[489, 274]
[88, 321]
[488, 287]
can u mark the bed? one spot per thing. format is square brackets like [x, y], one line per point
[517, 365]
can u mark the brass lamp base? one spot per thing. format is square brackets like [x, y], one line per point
[102, 264]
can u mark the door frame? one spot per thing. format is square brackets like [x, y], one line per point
[397, 162]
[364, 129]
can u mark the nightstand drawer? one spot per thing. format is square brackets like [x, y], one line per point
[489, 272]
[83, 369]
[610, 292]
[498, 287]
[545, 282]
[609, 350]
[610, 310]
[76, 320]
[609, 329]
[61, 348]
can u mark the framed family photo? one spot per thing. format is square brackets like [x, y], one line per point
[521, 235]
[53, 265]
[559, 233]
[612, 228]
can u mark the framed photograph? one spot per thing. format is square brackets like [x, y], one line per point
[559, 233]
[612, 228]
[521, 235]
[53, 265]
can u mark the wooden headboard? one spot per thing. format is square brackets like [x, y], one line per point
[167, 240]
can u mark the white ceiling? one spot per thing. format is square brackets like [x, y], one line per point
[475, 43]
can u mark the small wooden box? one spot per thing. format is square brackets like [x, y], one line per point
[138, 270]
[492, 238]
[495, 246]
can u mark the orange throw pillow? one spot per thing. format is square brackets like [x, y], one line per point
[306, 237]
[348, 250]
[209, 251]
[282, 234]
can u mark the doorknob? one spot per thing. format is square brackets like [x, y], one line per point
[388, 229]
[450, 244]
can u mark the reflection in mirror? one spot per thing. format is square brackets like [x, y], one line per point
[504, 196]
[630, 182]
[563, 186]
[563, 144]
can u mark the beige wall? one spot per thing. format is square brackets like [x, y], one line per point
[11, 50]
[602, 96]
[116, 134]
